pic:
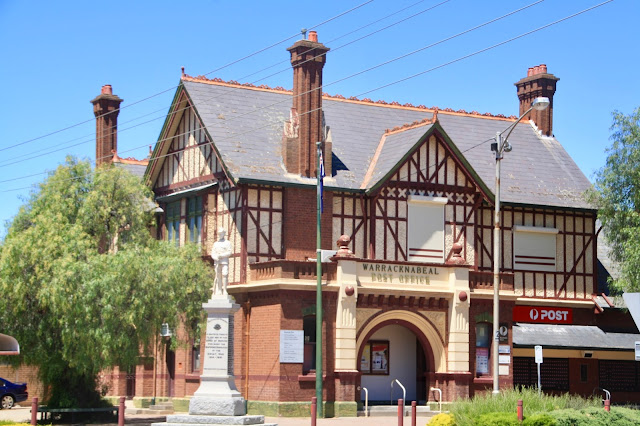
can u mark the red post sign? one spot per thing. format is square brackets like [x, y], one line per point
[541, 314]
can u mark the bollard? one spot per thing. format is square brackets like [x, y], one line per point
[34, 411]
[400, 412]
[314, 410]
[607, 405]
[413, 413]
[520, 411]
[121, 412]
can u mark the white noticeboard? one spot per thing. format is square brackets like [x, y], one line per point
[637, 351]
[538, 350]
[291, 346]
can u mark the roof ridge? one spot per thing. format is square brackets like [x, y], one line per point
[414, 124]
[338, 97]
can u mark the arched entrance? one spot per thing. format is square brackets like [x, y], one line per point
[399, 345]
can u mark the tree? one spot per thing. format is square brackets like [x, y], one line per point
[85, 286]
[617, 197]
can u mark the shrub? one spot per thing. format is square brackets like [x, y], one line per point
[539, 420]
[467, 411]
[442, 419]
[597, 416]
[498, 419]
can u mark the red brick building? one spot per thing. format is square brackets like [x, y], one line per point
[413, 189]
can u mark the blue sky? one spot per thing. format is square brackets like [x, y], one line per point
[57, 55]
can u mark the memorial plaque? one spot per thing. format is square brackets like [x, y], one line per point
[216, 347]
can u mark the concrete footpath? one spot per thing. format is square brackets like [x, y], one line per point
[23, 414]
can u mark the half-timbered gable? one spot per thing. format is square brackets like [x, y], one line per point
[426, 202]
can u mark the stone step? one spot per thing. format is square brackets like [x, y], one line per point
[392, 411]
[200, 420]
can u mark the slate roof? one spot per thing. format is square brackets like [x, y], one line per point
[246, 125]
[572, 336]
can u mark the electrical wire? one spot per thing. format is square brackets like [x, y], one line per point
[407, 78]
[174, 87]
[91, 136]
[10, 161]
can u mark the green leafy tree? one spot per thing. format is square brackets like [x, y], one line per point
[617, 197]
[85, 286]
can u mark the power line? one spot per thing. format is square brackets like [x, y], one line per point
[8, 161]
[401, 80]
[174, 87]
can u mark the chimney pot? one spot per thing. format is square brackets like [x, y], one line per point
[313, 36]
[530, 72]
[107, 90]
[543, 68]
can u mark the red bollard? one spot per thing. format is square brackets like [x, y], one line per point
[314, 410]
[520, 410]
[414, 414]
[607, 405]
[121, 412]
[400, 412]
[34, 411]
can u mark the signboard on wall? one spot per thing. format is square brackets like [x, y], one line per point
[291, 346]
[542, 314]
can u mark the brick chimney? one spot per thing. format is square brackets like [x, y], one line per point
[106, 107]
[306, 126]
[538, 83]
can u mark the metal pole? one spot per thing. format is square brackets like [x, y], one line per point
[121, 412]
[318, 291]
[496, 270]
[314, 410]
[539, 382]
[34, 411]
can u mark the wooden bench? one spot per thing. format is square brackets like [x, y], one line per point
[45, 412]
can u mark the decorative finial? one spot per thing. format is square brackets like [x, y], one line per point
[183, 71]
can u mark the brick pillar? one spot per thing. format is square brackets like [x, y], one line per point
[106, 107]
[307, 59]
[538, 83]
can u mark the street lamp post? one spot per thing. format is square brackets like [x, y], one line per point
[500, 146]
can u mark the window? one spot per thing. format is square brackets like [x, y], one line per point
[483, 343]
[425, 237]
[195, 358]
[375, 358]
[534, 248]
[309, 327]
[194, 219]
[619, 376]
[173, 222]
[584, 373]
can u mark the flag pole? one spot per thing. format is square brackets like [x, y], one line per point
[319, 170]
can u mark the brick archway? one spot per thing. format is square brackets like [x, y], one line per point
[425, 332]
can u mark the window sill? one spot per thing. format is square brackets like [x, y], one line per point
[311, 377]
[483, 380]
[192, 376]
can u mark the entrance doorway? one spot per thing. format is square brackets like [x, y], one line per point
[393, 353]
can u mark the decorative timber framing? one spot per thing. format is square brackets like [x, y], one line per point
[575, 275]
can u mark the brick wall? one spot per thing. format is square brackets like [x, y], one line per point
[299, 230]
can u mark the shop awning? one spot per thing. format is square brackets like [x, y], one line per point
[572, 337]
[179, 194]
[9, 345]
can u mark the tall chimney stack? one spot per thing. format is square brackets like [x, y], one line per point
[299, 150]
[106, 107]
[538, 83]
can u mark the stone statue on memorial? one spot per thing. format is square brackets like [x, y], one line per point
[220, 254]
